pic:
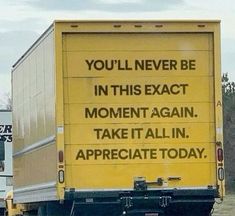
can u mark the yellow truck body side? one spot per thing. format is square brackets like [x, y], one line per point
[34, 156]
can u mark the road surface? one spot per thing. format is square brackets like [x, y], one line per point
[226, 208]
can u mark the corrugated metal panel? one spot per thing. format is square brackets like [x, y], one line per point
[34, 116]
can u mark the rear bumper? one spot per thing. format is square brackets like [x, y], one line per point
[160, 202]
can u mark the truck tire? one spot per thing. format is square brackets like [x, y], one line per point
[30, 213]
[54, 209]
[42, 211]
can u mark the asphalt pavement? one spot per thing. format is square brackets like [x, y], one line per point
[225, 208]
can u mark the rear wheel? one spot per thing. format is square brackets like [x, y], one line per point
[54, 209]
[42, 211]
[30, 213]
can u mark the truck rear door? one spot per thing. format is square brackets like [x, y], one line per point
[139, 105]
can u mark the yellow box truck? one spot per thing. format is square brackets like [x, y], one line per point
[119, 118]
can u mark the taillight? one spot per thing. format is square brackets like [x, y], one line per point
[220, 154]
[61, 156]
[221, 174]
[61, 176]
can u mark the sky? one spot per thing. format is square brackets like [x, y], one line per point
[23, 21]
